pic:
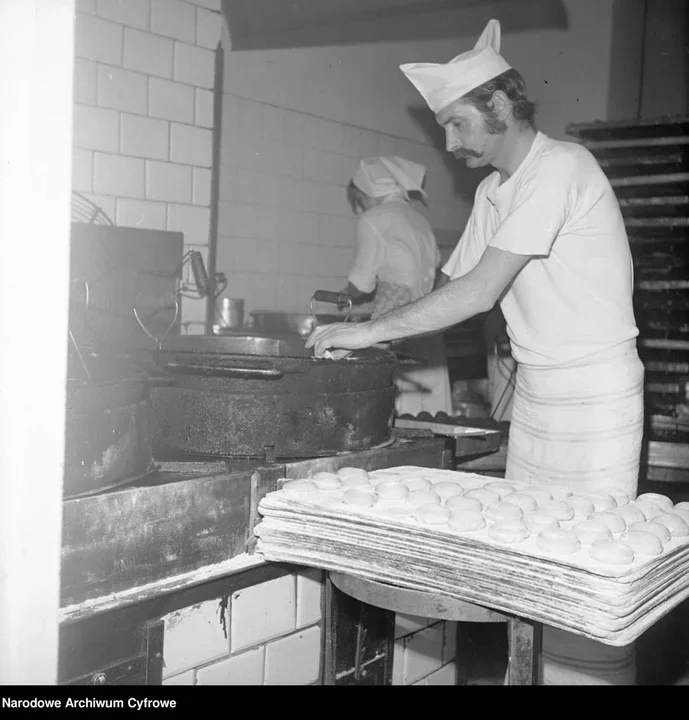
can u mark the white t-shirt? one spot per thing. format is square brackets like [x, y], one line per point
[575, 299]
[395, 244]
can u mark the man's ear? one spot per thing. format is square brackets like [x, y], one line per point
[501, 105]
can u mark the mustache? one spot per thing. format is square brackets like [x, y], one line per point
[459, 154]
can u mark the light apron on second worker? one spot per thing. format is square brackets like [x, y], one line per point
[419, 388]
[580, 427]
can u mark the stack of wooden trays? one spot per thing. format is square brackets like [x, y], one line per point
[647, 164]
[495, 563]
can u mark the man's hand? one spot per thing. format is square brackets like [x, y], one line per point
[345, 337]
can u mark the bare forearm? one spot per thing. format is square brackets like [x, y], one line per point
[453, 303]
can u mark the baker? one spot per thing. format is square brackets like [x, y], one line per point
[396, 262]
[545, 239]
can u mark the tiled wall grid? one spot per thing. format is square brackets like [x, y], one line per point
[270, 634]
[143, 115]
[285, 227]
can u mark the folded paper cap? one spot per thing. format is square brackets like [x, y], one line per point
[441, 84]
[390, 175]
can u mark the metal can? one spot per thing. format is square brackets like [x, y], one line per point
[232, 312]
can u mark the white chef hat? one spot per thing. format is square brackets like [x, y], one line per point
[442, 84]
[390, 175]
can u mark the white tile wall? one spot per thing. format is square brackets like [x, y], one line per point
[294, 660]
[144, 74]
[309, 594]
[243, 669]
[263, 612]
[423, 654]
[185, 678]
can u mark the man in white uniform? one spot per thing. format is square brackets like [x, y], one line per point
[547, 240]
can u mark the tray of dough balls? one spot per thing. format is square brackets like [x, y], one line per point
[600, 565]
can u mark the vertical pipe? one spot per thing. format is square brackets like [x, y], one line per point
[215, 185]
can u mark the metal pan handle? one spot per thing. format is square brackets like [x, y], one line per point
[329, 296]
[243, 373]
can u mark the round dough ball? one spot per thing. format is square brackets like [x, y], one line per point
[525, 502]
[642, 543]
[326, 481]
[684, 514]
[485, 497]
[630, 514]
[423, 497]
[650, 509]
[657, 499]
[537, 521]
[392, 490]
[602, 502]
[611, 552]
[557, 508]
[561, 493]
[330, 497]
[614, 522]
[352, 482]
[660, 531]
[447, 489]
[432, 514]
[676, 524]
[504, 511]
[558, 542]
[508, 531]
[352, 473]
[581, 506]
[356, 497]
[537, 492]
[620, 498]
[684, 506]
[300, 489]
[501, 488]
[417, 483]
[466, 521]
[590, 531]
[461, 503]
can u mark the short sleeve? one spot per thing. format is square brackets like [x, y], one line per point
[370, 252]
[467, 252]
[537, 212]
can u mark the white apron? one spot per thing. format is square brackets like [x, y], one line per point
[580, 426]
[419, 388]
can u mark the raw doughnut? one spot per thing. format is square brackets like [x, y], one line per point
[537, 492]
[661, 500]
[611, 552]
[684, 506]
[503, 511]
[614, 522]
[630, 514]
[508, 531]
[682, 512]
[432, 514]
[352, 473]
[603, 502]
[537, 521]
[581, 506]
[501, 488]
[392, 490]
[620, 498]
[447, 489]
[326, 481]
[461, 503]
[660, 531]
[591, 531]
[359, 499]
[525, 502]
[423, 497]
[649, 509]
[558, 542]
[642, 543]
[677, 526]
[301, 488]
[330, 497]
[557, 508]
[485, 497]
[466, 521]
[418, 483]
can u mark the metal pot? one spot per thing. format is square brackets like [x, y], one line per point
[259, 396]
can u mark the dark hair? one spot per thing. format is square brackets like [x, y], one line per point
[512, 84]
[355, 196]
